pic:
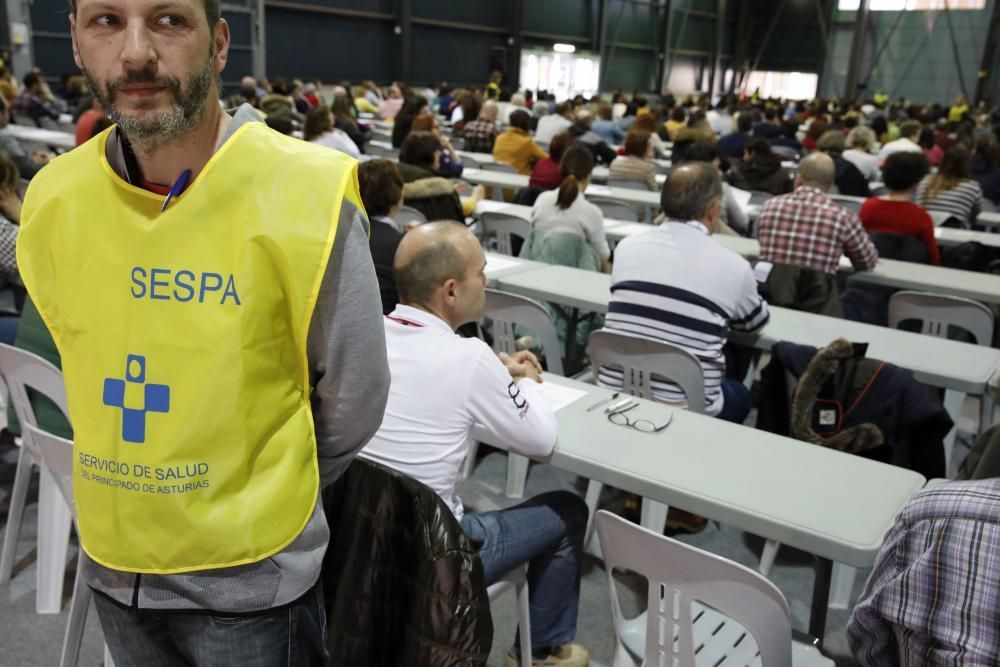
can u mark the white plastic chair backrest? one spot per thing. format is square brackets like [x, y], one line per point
[628, 184]
[678, 574]
[409, 214]
[641, 360]
[503, 227]
[758, 198]
[940, 217]
[850, 203]
[57, 455]
[510, 310]
[21, 370]
[936, 311]
[498, 166]
[614, 209]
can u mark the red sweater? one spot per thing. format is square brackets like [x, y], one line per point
[901, 217]
[545, 175]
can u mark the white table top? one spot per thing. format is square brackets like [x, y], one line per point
[42, 136]
[935, 361]
[834, 505]
[600, 173]
[507, 180]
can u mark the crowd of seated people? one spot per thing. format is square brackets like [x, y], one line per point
[912, 163]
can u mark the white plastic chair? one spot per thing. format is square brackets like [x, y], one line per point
[21, 370]
[508, 311]
[759, 198]
[500, 228]
[57, 456]
[641, 360]
[936, 312]
[941, 217]
[614, 209]
[408, 214]
[702, 609]
[517, 581]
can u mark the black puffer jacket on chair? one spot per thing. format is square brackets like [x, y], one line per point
[403, 584]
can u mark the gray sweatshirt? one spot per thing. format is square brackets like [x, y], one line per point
[350, 376]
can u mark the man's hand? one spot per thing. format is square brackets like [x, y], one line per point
[521, 365]
[42, 157]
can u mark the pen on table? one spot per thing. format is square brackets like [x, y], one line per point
[603, 401]
[619, 405]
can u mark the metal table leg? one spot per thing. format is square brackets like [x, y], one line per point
[820, 598]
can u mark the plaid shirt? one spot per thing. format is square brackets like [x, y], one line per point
[32, 106]
[806, 228]
[934, 594]
[479, 136]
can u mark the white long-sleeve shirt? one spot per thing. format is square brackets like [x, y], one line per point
[441, 386]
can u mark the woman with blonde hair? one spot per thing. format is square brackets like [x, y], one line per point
[952, 190]
[860, 143]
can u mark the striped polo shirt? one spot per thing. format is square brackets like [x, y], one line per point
[676, 284]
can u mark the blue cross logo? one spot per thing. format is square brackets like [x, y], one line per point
[156, 398]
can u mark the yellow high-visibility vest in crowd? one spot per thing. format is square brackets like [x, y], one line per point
[183, 343]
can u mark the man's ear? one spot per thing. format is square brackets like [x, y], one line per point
[72, 33]
[220, 45]
[450, 290]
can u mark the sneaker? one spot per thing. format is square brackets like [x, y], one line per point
[568, 655]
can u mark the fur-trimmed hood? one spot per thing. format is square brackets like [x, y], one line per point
[433, 186]
[827, 361]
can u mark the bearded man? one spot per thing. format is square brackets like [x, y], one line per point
[209, 287]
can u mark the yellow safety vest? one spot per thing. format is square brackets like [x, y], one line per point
[183, 344]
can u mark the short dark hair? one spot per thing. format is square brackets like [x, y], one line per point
[280, 124]
[31, 78]
[698, 151]
[910, 128]
[689, 190]
[637, 143]
[381, 186]
[758, 146]
[435, 263]
[903, 170]
[418, 149]
[520, 119]
[745, 122]
[212, 11]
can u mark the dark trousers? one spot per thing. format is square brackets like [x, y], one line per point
[292, 635]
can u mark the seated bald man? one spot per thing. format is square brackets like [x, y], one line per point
[803, 235]
[441, 386]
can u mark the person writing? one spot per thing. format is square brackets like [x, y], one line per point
[442, 386]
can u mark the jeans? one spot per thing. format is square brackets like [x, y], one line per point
[292, 635]
[736, 402]
[547, 533]
[8, 328]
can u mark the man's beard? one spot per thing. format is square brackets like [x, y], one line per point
[151, 130]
